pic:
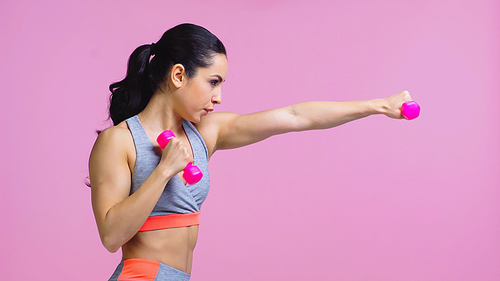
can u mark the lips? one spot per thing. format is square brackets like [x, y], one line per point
[208, 110]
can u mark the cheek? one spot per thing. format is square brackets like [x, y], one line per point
[197, 94]
[203, 90]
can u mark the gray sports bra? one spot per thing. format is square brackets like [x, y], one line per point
[179, 205]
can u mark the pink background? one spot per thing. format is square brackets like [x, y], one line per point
[377, 199]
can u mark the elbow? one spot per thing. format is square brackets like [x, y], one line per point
[111, 237]
[297, 122]
[111, 249]
[110, 244]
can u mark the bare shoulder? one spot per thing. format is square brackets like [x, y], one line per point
[210, 127]
[118, 135]
[115, 142]
[114, 135]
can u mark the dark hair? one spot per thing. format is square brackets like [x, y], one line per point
[190, 45]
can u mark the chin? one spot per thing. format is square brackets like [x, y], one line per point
[194, 119]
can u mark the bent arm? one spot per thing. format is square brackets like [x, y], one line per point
[234, 130]
[118, 215]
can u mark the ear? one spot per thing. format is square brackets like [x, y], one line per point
[178, 75]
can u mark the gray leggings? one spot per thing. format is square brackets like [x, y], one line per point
[147, 270]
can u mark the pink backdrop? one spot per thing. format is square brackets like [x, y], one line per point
[377, 199]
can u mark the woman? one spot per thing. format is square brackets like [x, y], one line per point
[141, 202]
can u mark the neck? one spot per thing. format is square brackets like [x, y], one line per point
[159, 115]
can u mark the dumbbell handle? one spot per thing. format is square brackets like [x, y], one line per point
[192, 174]
[410, 110]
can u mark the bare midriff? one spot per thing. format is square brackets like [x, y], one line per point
[173, 246]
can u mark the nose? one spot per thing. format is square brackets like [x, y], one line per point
[217, 99]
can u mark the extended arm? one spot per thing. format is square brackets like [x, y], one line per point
[233, 130]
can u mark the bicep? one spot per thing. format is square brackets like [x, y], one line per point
[235, 130]
[110, 175]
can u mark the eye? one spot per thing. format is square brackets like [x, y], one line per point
[214, 82]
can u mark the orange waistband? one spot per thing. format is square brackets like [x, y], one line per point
[171, 221]
[139, 269]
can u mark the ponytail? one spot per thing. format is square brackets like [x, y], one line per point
[131, 95]
[187, 44]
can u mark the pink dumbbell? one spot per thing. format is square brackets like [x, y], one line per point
[192, 173]
[410, 110]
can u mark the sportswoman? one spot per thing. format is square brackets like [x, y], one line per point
[140, 200]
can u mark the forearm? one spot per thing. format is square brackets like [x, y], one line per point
[125, 219]
[315, 115]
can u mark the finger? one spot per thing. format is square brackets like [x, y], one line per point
[406, 96]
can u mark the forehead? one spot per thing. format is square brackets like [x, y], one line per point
[218, 67]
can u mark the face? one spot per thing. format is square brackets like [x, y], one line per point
[200, 93]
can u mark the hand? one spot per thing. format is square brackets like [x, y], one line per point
[392, 104]
[175, 156]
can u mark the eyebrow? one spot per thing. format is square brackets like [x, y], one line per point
[218, 76]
